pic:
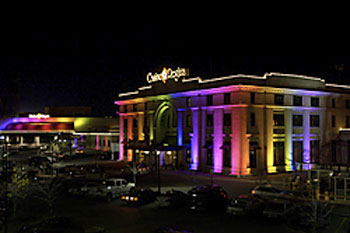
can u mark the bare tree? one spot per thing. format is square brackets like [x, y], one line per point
[49, 192]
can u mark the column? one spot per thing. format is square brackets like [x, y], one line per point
[36, 140]
[121, 137]
[179, 128]
[306, 141]
[239, 142]
[203, 157]
[269, 141]
[195, 141]
[106, 144]
[218, 140]
[130, 136]
[288, 150]
[140, 125]
[151, 130]
[161, 158]
[97, 142]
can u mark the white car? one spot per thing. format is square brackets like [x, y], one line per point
[112, 188]
[268, 192]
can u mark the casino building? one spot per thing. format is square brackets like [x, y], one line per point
[238, 125]
[41, 130]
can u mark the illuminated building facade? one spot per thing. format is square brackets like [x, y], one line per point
[238, 125]
[37, 130]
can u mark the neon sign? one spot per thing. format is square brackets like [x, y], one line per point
[167, 74]
[39, 116]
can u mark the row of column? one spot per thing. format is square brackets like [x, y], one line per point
[239, 140]
[129, 132]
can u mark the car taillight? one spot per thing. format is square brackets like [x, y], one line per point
[223, 194]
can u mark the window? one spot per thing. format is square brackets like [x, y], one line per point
[210, 155]
[227, 99]
[347, 122]
[347, 104]
[188, 102]
[278, 119]
[252, 98]
[278, 153]
[252, 119]
[226, 154]
[209, 120]
[134, 107]
[188, 120]
[315, 151]
[188, 155]
[227, 119]
[315, 102]
[334, 151]
[297, 100]
[279, 99]
[252, 155]
[333, 103]
[333, 121]
[209, 100]
[314, 120]
[297, 120]
[297, 151]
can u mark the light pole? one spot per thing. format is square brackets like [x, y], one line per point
[5, 168]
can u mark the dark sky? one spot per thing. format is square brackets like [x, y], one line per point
[41, 69]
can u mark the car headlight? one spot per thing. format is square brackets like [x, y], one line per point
[194, 195]
[109, 187]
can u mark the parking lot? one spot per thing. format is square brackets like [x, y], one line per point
[116, 216]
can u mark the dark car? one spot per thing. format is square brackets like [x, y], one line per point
[245, 205]
[140, 197]
[208, 197]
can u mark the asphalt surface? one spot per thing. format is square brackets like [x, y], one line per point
[115, 216]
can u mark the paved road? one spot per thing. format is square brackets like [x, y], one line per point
[119, 218]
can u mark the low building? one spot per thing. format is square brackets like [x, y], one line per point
[238, 125]
[39, 130]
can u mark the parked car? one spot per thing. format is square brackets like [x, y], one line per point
[82, 189]
[245, 205]
[278, 208]
[268, 192]
[208, 197]
[139, 197]
[111, 188]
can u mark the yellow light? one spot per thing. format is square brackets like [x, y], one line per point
[136, 198]
[164, 75]
[123, 197]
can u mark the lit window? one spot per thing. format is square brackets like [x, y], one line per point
[278, 119]
[297, 120]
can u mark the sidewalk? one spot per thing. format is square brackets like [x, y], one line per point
[277, 179]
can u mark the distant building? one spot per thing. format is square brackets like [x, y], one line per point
[37, 130]
[239, 124]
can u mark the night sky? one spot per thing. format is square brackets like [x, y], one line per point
[90, 69]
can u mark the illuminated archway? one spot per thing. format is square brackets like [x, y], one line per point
[164, 122]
